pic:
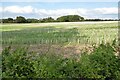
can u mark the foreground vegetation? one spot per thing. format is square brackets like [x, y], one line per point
[101, 63]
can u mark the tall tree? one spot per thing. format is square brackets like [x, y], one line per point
[10, 20]
[20, 19]
[70, 18]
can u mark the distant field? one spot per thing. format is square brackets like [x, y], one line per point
[70, 33]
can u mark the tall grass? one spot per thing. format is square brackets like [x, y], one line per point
[59, 34]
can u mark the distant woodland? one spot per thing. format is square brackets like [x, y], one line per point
[67, 18]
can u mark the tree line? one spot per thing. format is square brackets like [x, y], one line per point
[67, 18]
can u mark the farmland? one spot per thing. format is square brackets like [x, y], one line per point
[60, 50]
[63, 34]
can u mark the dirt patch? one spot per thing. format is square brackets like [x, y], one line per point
[67, 50]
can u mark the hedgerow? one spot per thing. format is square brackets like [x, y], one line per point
[100, 64]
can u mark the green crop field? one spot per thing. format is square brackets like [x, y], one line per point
[45, 33]
[63, 34]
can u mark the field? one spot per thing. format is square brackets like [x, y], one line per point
[60, 50]
[59, 36]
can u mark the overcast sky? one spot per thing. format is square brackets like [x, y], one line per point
[103, 10]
